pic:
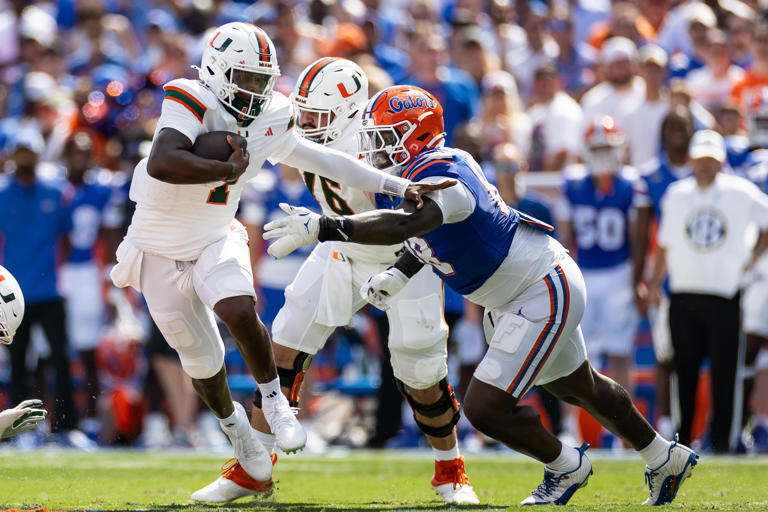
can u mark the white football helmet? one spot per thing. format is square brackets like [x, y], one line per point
[11, 306]
[239, 65]
[335, 89]
[603, 146]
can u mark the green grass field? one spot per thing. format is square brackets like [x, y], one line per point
[357, 481]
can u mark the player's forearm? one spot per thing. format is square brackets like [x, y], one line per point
[377, 227]
[408, 264]
[182, 167]
[344, 168]
[659, 268]
[640, 245]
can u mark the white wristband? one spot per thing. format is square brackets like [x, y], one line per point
[394, 185]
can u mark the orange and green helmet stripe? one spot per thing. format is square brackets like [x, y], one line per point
[261, 39]
[291, 122]
[309, 76]
[183, 97]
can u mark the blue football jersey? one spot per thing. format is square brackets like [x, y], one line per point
[466, 253]
[89, 202]
[756, 168]
[600, 221]
[657, 179]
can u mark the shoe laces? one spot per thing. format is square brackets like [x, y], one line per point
[548, 485]
[283, 416]
[451, 471]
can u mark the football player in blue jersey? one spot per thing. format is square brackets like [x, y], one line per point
[595, 214]
[532, 291]
[94, 213]
[671, 165]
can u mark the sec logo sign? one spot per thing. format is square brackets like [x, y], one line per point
[706, 229]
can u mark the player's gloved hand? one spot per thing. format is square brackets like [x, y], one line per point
[298, 229]
[239, 157]
[21, 418]
[416, 191]
[380, 288]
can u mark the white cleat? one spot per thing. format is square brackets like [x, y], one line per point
[249, 452]
[665, 480]
[234, 483]
[289, 434]
[452, 483]
[558, 486]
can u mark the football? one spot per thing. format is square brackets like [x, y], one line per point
[214, 145]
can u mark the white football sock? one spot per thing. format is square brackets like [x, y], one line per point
[568, 459]
[450, 454]
[270, 390]
[266, 440]
[656, 452]
[230, 421]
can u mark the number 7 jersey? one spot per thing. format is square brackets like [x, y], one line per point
[179, 221]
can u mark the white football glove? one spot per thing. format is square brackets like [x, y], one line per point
[298, 229]
[21, 418]
[380, 288]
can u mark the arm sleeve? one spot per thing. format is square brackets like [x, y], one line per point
[457, 202]
[640, 196]
[179, 117]
[341, 167]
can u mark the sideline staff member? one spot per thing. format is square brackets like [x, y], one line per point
[703, 238]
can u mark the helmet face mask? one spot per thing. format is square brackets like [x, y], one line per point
[604, 146]
[239, 65]
[328, 95]
[382, 146]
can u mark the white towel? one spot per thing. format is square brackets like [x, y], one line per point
[127, 271]
[335, 307]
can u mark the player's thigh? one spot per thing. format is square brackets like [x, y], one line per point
[185, 322]
[755, 307]
[418, 331]
[81, 286]
[536, 338]
[295, 326]
[223, 269]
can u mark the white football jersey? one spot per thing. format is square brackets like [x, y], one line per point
[339, 199]
[179, 221]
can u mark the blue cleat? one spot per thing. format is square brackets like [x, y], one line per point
[558, 486]
[665, 480]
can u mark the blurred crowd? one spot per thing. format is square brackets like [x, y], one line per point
[81, 90]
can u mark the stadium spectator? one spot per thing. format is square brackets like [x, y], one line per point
[471, 55]
[536, 49]
[34, 221]
[711, 84]
[622, 91]
[645, 122]
[625, 21]
[502, 114]
[747, 90]
[575, 59]
[703, 243]
[670, 165]
[556, 118]
[680, 95]
[739, 26]
[429, 69]
[702, 20]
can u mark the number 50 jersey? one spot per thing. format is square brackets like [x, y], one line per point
[179, 221]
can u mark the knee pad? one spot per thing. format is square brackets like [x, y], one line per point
[446, 402]
[290, 378]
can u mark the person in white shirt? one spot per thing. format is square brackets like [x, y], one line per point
[556, 118]
[704, 242]
[711, 85]
[622, 91]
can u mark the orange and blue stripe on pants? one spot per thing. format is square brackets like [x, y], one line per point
[559, 301]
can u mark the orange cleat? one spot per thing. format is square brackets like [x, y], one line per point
[452, 483]
[234, 483]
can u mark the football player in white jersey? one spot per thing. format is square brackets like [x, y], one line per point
[185, 252]
[329, 99]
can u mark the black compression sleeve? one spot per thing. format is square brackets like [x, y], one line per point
[408, 264]
[335, 229]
